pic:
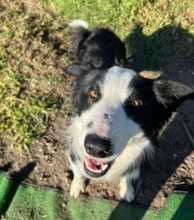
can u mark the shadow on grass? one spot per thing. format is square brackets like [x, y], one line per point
[156, 50]
[16, 179]
[170, 49]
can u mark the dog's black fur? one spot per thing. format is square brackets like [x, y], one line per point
[98, 48]
[159, 99]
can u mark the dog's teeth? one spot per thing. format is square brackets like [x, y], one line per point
[104, 167]
[95, 166]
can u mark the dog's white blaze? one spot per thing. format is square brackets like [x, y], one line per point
[115, 90]
[116, 85]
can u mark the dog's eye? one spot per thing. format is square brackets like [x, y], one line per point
[135, 103]
[93, 93]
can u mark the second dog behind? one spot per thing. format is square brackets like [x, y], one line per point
[98, 48]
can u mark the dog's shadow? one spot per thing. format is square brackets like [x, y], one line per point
[170, 49]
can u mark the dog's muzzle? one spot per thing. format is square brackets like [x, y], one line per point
[97, 148]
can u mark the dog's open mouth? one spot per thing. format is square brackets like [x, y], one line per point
[96, 168]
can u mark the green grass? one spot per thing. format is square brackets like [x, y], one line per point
[116, 14]
[154, 31]
[31, 83]
[23, 116]
[124, 14]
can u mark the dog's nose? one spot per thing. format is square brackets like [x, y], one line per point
[97, 146]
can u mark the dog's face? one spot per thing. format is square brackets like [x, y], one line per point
[115, 108]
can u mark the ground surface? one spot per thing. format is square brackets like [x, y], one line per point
[35, 95]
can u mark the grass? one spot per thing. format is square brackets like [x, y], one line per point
[124, 14]
[32, 88]
[99, 12]
[31, 83]
[23, 117]
[147, 26]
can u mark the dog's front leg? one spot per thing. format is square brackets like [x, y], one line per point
[77, 185]
[126, 190]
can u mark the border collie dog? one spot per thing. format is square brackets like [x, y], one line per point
[98, 48]
[119, 115]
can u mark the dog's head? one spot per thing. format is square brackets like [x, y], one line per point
[98, 48]
[115, 108]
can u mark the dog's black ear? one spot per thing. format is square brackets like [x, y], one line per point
[74, 69]
[120, 56]
[171, 93]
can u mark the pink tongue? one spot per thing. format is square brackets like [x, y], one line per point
[92, 163]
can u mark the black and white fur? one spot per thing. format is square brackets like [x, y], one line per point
[98, 48]
[112, 134]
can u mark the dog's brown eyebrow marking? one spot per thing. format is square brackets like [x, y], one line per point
[150, 74]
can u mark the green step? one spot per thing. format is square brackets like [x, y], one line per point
[27, 202]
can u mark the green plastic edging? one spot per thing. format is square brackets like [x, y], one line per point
[177, 207]
[26, 202]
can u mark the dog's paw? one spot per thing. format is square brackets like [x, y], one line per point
[76, 188]
[75, 191]
[127, 195]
